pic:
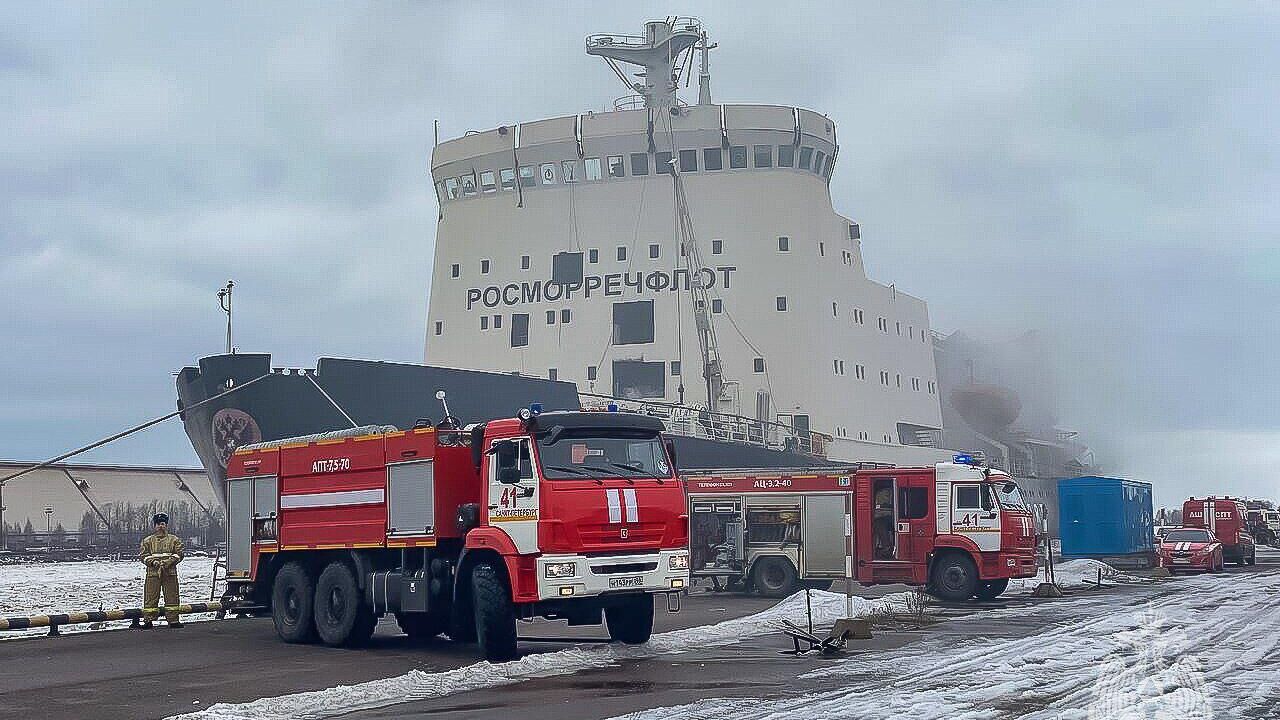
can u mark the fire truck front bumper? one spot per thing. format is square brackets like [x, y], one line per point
[570, 576]
[1016, 565]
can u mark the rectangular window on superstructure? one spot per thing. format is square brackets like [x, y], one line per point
[822, 249]
[817, 162]
[860, 371]
[757, 365]
[451, 188]
[593, 168]
[468, 183]
[569, 171]
[688, 161]
[622, 253]
[593, 255]
[497, 322]
[616, 168]
[524, 262]
[633, 322]
[653, 251]
[806, 155]
[711, 159]
[784, 243]
[639, 164]
[553, 374]
[527, 176]
[637, 379]
[782, 303]
[551, 317]
[507, 178]
[439, 327]
[519, 329]
[566, 316]
[591, 372]
[675, 367]
[547, 171]
[717, 305]
[487, 182]
[834, 311]
[484, 267]
[484, 322]
[662, 162]
[456, 270]
[763, 156]
[717, 246]
[737, 156]
[786, 155]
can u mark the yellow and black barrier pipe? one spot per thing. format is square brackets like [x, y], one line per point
[76, 618]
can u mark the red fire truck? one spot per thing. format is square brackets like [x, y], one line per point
[1225, 517]
[962, 531]
[566, 515]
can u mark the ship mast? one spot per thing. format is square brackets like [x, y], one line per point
[660, 52]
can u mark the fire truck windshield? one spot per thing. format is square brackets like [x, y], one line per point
[1010, 496]
[596, 453]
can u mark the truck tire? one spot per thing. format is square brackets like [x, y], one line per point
[631, 622]
[954, 577]
[495, 614]
[342, 617]
[422, 627]
[991, 589]
[292, 604]
[774, 577]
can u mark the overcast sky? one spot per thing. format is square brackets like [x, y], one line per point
[1107, 176]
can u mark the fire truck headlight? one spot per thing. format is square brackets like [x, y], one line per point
[678, 562]
[560, 570]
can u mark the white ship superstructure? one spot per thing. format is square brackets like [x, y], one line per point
[686, 254]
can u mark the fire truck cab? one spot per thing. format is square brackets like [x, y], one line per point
[564, 515]
[959, 530]
[1225, 518]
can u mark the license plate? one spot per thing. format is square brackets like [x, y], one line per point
[1180, 561]
[625, 582]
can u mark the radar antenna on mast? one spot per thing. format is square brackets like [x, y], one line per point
[664, 51]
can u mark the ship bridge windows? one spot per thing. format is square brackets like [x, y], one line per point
[638, 379]
[593, 168]
[639, 164]
[451, 188]
[633, 323]
[507, 178]
[688, 161]
[763, 156]
[806, 156]
[738, 157]
[526, 176]
[712, 159]
[616, 168]
[569, 170]
[547, 171]
[488, 182]
[519, 329]
[662, 163]
[786, 155]
[817, 162]
[468, 183]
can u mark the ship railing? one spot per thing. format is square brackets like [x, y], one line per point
[698, 422]
[612, 40]
[629, 102]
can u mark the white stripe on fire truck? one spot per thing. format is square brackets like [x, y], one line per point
[615, 505]
[331, 499]
[629, 502]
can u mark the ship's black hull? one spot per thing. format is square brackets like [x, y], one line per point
[287, 403]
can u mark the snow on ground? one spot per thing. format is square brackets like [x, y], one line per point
[1077, 574]
[419, 685]
[41, 588]
[1207, 647]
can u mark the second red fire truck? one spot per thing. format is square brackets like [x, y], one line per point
[1225, 518]
[959, 530]
[568, 515]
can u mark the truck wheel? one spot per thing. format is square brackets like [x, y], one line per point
[495, 614]
[342, 616]
[422, 627]
[292, 610]
[632, 621]
[955, 578]
[991, 589]
[774, 577]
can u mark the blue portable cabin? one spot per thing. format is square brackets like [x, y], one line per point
[1108, 519]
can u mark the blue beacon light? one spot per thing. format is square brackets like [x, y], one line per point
[535, 409]
[613, 407]
[962, 459]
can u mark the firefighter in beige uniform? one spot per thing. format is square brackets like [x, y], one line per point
[161, 552]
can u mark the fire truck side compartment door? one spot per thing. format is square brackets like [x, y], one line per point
[823, 537]
[411, 498]
[239, 525]
[264, 496]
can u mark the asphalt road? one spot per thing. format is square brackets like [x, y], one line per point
[157, 673]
